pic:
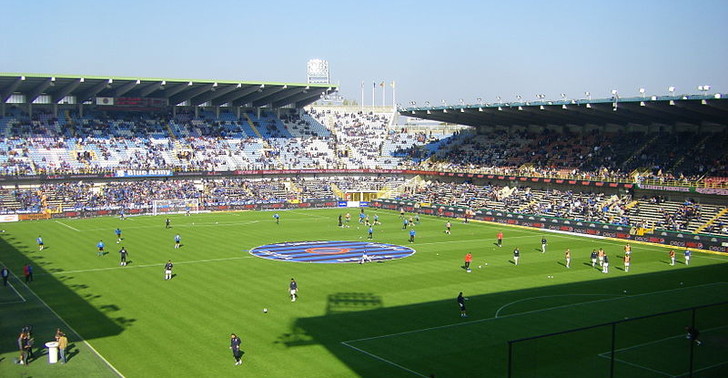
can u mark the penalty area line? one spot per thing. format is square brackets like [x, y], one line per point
[372, 355]
[71, 227]
[477, 321]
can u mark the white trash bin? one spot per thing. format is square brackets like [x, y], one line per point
[52, 351]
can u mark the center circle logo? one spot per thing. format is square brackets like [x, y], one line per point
[331, 252]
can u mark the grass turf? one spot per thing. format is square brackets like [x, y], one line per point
[397, 318]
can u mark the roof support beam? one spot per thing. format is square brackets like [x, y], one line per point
[219, 92]
[35, 92]
[92, 92]
[186, 95]
[174, 89]
[264, 97]
[312, 96]
[67, 89]
[293, 96]
[234, 96]
[11, 88]
[148, 89]
[126, 87]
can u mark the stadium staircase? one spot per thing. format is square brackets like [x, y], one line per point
[337, 192]
[527, 206]
[697, 147]
[712, 220]
[251, 126]
[638, 151]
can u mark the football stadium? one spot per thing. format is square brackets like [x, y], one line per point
[144, 220]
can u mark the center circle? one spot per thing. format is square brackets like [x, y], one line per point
[331, 252]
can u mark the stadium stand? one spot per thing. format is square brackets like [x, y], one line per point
[202, 141]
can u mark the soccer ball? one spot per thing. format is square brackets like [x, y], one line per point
[480, 266]
[265, 310]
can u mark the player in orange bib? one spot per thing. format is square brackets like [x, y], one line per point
[468, 260]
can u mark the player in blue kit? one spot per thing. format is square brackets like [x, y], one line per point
[412, 234]
[39, 240]
[687, 256]
[177, 241]
[100, 246]
[118, 235]
[371, 232]
[277, 218]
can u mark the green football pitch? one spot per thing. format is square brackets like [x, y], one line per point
[396, 318]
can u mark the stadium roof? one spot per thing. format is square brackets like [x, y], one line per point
[705, 110]
[53, 89]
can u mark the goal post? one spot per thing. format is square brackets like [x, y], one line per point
[176, 206]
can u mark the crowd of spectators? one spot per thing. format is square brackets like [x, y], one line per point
[594, 207]
[325, 139]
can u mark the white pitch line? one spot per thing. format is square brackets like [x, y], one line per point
[383, 360]
[68, 326]
[144, 266]
[71, 227]
[415, 331]
[16, 292]
[603, 354]
[553, 296]
[705, 368]
[643, 367]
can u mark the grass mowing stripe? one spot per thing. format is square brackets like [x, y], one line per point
[137, 311]
[129, 267]
[525, 313]
[383, 360]
[68, 326]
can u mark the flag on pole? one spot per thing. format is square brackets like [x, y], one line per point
[392, 84]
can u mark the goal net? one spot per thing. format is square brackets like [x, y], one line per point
[176, 206]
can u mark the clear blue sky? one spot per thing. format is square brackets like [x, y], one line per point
[434, 50]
